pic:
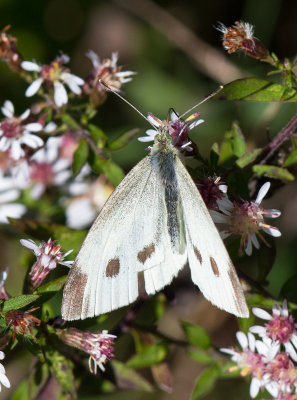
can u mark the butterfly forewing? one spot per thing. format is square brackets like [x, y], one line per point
[211, 267]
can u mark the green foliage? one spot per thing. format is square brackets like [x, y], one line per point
[80, 157]
[149, 356]
[205, 382]
[19, 302]
[196, 335]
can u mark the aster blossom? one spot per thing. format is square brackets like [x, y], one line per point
[48, 255]
[98, 345]
[280, 327]
[8, 194]
[177, 128]
[22, 322]
[53, 76]
[3, 378]
[16, 131]
[213, 191]
[246, 219]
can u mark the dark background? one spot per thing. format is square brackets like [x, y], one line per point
[170, 73]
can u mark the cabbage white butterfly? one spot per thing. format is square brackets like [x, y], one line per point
[154, 222]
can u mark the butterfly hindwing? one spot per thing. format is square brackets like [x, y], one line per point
[211, 267]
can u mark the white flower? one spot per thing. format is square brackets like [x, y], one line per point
[280, 327]
[47, 169]
[15, 132]
[3, 378]
[246, 219]
[8, 194]
[57, 76]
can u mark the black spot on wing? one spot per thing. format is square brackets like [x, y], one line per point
[112, 268]
[197, 254]
[214, 266]
[146, 253]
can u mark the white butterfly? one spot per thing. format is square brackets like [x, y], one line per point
[153, 223]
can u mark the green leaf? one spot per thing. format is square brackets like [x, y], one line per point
[225, 369]
[97, 135]
[149, 356]
[273, 172]
[48, 290]
[80, 156]
[123, 140]
[205, 382]
[62, 369]
[237, 140]
[288, 290]
[201, 356]
[196, 335]
[112, 171]
[18, 302]
[291, 159]
[21, 392]
[69, 121]
[66, 237]
[248, 158]
[254, 89]
[127, 378]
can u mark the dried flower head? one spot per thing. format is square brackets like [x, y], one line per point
[98, 345]
[22, 322]
[240, 37]
[246, 219]
[49, 255]
[8, 50]
[213, 191]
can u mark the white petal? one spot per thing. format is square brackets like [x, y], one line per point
[4, 380]
[255, 387]
[153, 121]
[50, 127]
[260, 313]
[255, 241]
[25, 114]
[2, 355]
[61, 164]
[8, 109]
[294, 339]
[11, 210]
[94, 59]
[30, 66]
[273, 231]
[248, 247]
[145, 139]
[224, 234]
[62, 177]
[273, 213]
[290, 349]
[218, 217]
[32, 141]
[10, 195]
[262, 348]
[37, 190]
[80, 213]
[252, 341]
[258, 329]
[30, 244]
[70, 78]
[60, 94]
[195, 123]
[33, 87]
[262, 192]
[242, 339]
[272, 388]
[4, 143]
[33, 127]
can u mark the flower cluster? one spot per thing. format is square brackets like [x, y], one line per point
[246, 219]
[98, 345]
[271, 360]
[48, 255]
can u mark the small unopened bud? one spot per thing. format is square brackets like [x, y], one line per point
[22, 322]
[8, 50]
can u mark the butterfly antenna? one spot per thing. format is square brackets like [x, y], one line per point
[126, 101]
[203, 101]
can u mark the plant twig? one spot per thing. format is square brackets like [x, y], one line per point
[84, 135]
[285, 134]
